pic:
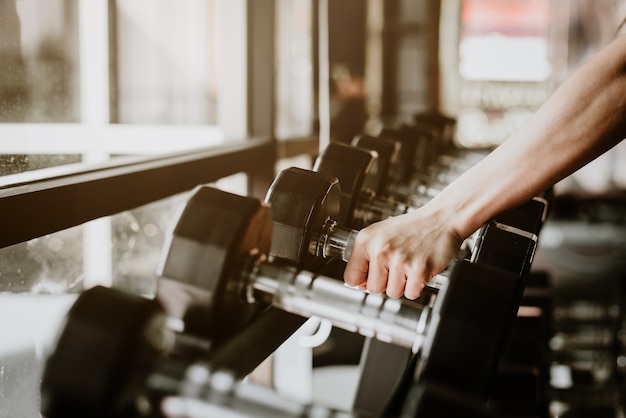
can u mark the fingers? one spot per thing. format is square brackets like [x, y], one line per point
[356, 271]
[396, 277]
[396, 281]
[405, 279]
[389, 257]
[416, 281]
[374, 267]
[377, 276]
[366, 268]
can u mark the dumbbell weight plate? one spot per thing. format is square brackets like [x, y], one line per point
[212, 232]
[429, 138]
[499, 249]
[360, 198]
[357, 170]
[445, 126]
[216, 235]
[505, 247]
[405, 164]
[359, 182]
[108, 344]
[387, 150]
[461, 348]
[529, 216]
[301, 201]
[474, 318]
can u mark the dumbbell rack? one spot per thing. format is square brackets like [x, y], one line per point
[269, 328]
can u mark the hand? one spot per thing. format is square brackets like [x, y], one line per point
[400, 255]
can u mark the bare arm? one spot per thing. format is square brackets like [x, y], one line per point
[584, 118]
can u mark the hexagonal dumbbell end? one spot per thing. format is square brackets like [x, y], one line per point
[302, 203]
[110, 342]
[357, 172]
[214, 236]
[387, 150]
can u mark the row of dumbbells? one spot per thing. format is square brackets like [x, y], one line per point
[528, 372]
[521, 385]
[231, 258]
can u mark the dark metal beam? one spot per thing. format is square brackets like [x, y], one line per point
[37, 208]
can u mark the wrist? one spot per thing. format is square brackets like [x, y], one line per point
[453, 214]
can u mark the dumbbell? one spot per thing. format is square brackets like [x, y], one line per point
[470, 289]
[225, 274]
[506, 246]
[421, 142]
[306, 234]
[363, 173]
[426, 180]
[114, 359]
[309, 227]
[363, 206]
[414, 147]
[428, 145]
[389, 167]
[446, 149]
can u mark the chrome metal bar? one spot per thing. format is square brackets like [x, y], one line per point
[396, 321]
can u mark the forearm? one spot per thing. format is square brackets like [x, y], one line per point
[582, 119]
[585, 117]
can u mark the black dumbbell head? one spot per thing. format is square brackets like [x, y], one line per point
[357, 172]
[473, 322]
[301, 201]
[387, 150]
[200, 274]
[405, 164]
[108, 345]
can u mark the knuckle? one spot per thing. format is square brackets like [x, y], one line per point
[375, 288]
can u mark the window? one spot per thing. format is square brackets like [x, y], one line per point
[294, 86]
[87, 81]
[96, 95]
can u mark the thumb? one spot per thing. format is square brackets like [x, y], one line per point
[357, 268]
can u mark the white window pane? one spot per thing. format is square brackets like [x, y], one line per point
[294, 81]
[166, 54]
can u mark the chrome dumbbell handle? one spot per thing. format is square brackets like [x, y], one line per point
[334, 241]
[206, 392]
[396, 321]
[338, 242]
